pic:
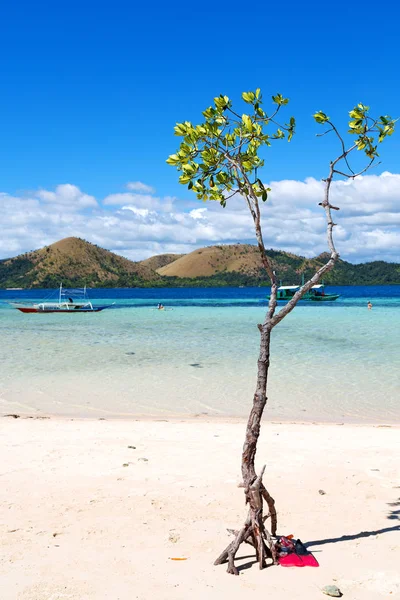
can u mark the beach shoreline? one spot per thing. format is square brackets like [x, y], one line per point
[200, 417]
[96, 508]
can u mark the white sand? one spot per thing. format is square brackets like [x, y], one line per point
[76, 524]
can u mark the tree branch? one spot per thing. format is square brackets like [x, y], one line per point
[343, 146]
[359, 173]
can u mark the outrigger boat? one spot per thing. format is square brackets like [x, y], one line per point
[315, 294]
[69, 301]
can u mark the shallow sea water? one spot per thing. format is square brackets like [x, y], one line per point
[330, 362]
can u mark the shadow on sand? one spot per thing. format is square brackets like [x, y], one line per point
[393, 515]
[355, 536]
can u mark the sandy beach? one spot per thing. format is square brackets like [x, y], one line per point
[96, 509]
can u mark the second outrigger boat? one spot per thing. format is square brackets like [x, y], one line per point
[69, 301]
[315, 294]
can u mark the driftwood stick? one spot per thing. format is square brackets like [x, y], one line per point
[236, 531]
[247, 532]
[272, 510]
[271, 546]
[234, 548]
[257, 483]
[258, 534]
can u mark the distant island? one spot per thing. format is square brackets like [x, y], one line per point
[76, 262]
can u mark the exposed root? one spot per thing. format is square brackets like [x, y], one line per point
[253, 532]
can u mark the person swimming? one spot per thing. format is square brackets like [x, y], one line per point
[160, 306]
[369, 305]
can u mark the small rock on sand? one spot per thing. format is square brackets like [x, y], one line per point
[332, 590]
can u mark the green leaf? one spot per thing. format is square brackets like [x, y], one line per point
[320, 117]
[247, 122]
[279, 134]
[356, 114]
[184, 179]
[221, 102]
[249, 97]
[180, 129]
[188, 168]
[222, 177]
[209, 113]
[280, 100]
[173, 159]
[361, 144]
[201, 129]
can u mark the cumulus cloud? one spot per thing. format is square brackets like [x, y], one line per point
[68, 196]
[138, 186]
[138, 224]
[198, 213]
[140, 200]
[141, 212]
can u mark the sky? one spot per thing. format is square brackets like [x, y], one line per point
[91, 91]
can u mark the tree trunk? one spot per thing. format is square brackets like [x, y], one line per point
[254, 530]
[259, 402]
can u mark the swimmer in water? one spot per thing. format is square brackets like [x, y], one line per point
[369, 305]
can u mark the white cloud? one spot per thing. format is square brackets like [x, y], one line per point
[138, 225]
[142, 212]
[140, 200]
[69, 196]
[198, 213]
[138, 186]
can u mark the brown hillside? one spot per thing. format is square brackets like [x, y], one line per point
[73, 258]
[160, 260]
[214, 259]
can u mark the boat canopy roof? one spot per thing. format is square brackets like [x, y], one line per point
[297, 287]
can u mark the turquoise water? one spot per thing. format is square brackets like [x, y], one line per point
[336, 362]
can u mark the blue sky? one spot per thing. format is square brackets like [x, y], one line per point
[91, 90]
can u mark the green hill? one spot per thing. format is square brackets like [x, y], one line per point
[75, 262]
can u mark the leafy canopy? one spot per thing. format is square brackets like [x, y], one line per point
[370, 132]
[220, 157]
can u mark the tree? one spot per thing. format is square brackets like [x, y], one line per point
[220, 158]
